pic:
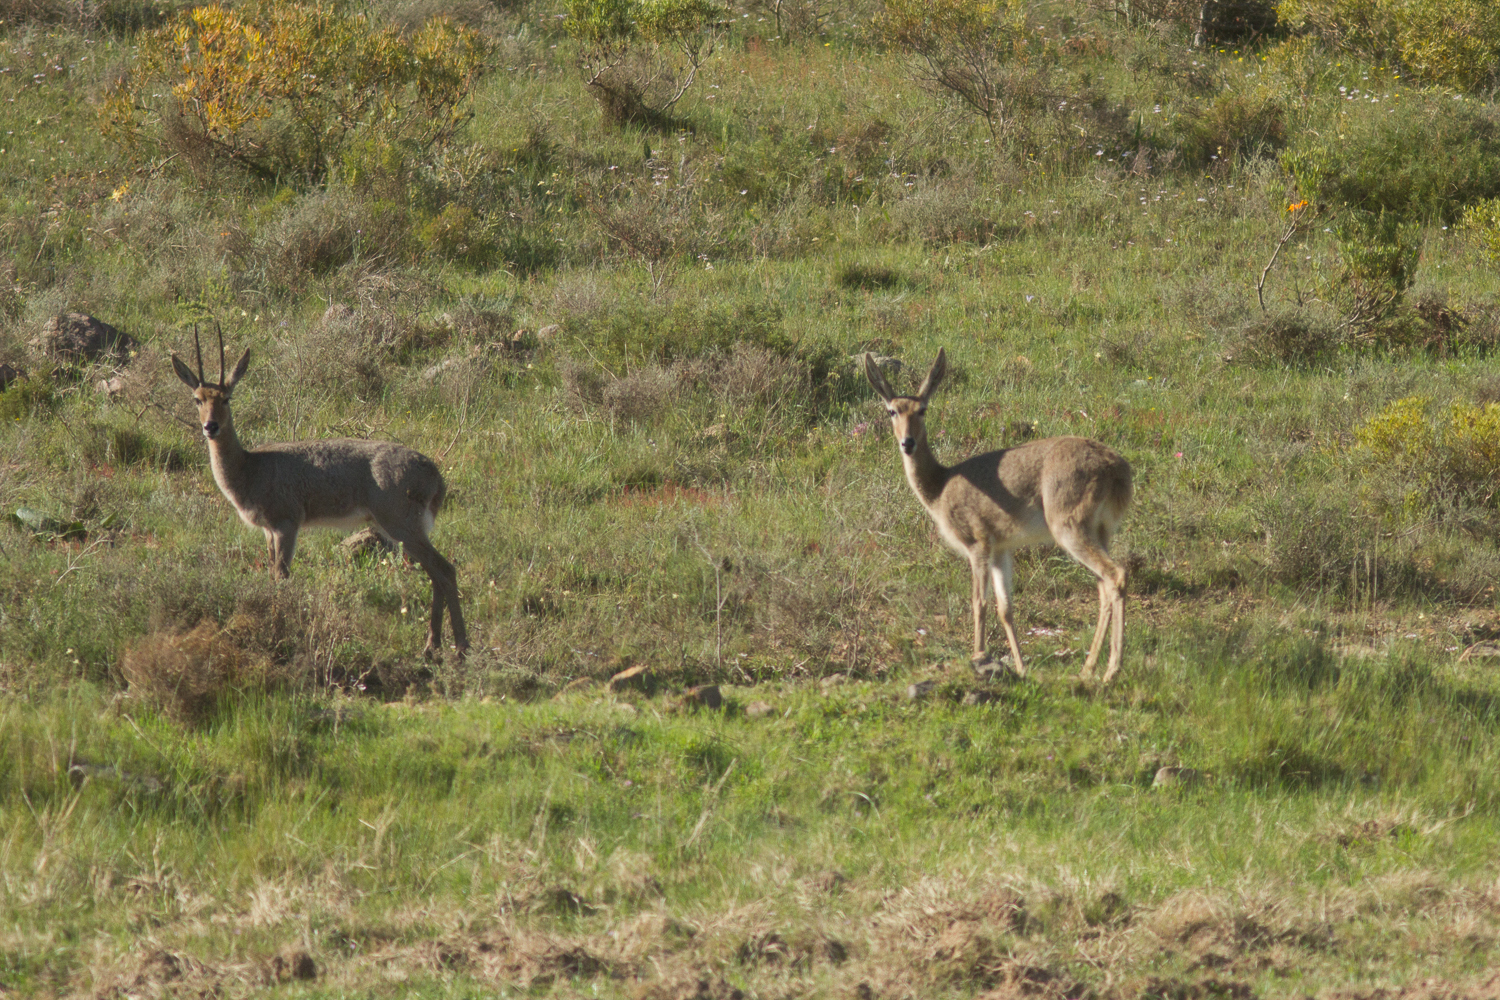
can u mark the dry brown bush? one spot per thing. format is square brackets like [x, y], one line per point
[185, 676]
[323, 233]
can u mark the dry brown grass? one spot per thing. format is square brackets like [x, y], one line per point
[185, 676]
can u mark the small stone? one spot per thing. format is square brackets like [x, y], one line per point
[337, 312]
[548, 333]
[718, 432]
[110, 387]
[888, 365]
[79, 337]
[759, 709]
[367, 542]
[833, 680]
[637, 678]
[1168, 777]
[991, 670]
[703, 696]
[980, 696]
[432, 372]
[920, 690]
[829, 881]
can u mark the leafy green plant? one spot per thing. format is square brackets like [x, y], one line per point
[1481, 223]
[1424, 159]
[1445, 452]
[1379, 254]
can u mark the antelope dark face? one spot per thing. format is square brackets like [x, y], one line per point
[213, 410]
[212, 400]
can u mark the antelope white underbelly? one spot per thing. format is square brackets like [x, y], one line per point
[356, 518]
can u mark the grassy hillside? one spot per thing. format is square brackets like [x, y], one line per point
[633, 349]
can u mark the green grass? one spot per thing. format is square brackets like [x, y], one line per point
[678, 464]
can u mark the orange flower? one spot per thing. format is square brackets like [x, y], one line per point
[1297, 206]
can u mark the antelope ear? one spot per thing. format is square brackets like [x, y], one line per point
[239, 370]
[184, 372]
[877, 379]
[930, 384]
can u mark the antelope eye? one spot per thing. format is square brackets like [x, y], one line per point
[890, 413]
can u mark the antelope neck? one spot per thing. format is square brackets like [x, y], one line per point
[227, 457]
[925, 473]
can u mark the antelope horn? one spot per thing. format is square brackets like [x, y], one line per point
[220, 330]
[198, 347]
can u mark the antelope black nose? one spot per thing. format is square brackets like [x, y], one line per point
[211, 428]
[908, 445]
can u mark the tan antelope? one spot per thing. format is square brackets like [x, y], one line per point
[336, 483]
[1068, 490]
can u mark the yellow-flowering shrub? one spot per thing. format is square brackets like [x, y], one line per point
[1481, 223]
[1399, 433]
[1450, 452]
[282, 87]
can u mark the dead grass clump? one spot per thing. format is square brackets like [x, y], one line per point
[324, 232]
[1292, 338]
[755, 376]
[942, 211]
[691, 985]
[185, 676]
[641, 396]
[347, 349]
[1218, 933]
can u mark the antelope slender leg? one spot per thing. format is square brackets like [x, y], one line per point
[976, 601]
[283, 541]
[1116, 636]
[1003, 572]
[1098, 643]
[444, 592]
[1111, 576]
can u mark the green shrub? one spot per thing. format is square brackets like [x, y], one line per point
[1379, 254]
[1450, 42]
[1424, 158]
[976, 50]
[1230, 125]
[24, 397]
[639, 57]
[1481, 223]
[458, 233]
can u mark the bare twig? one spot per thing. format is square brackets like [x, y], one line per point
[1286, 237]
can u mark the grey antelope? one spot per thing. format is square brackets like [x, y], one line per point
[336, 483]
[1068, 490]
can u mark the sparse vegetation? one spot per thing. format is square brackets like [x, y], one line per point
[630, 340]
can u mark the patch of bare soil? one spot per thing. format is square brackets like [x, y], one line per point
[690, 985]
[533, 961]
[1427, 989]
[163, 973]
